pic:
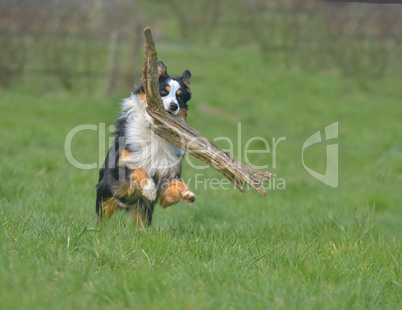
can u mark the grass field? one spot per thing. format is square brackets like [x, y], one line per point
[305, 246]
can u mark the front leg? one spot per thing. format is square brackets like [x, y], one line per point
[176, 192]
[136, 181]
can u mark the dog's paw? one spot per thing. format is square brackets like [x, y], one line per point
[149, 190]
[188, 196]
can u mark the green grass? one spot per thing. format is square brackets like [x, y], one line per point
[308, 246]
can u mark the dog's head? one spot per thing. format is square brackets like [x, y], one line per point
[175, 92]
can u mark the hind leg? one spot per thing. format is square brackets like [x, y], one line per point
[109, 206]
[141, 214]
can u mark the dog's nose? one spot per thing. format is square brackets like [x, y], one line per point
[173, 106]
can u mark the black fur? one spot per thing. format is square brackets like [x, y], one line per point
[113, 174]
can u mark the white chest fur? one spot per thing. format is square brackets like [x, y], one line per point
[147, 150]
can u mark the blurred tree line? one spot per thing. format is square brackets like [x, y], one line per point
[81, 42]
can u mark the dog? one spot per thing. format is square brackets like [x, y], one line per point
[140, 167]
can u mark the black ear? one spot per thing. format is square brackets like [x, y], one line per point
[186, 77]
[162, 69]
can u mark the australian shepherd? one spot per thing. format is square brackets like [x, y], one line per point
[141, 167]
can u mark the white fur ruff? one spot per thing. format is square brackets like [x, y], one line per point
[149, 191]
[148, 150]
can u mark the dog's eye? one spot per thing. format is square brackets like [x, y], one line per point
[165, 91]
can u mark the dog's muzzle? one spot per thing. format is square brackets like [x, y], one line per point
[173, 107]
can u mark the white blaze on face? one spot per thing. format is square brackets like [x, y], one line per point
[171, 97]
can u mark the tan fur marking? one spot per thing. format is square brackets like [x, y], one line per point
[123, 156]
[182, 114]
[138, 179]
[109, 206]
[140, 176]
[175, 192]
[167, 89]
[143, 96]
[178, 93]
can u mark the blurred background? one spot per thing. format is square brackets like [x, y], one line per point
[96, 45]
[281, 68]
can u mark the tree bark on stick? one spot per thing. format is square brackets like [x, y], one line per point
[182, 135]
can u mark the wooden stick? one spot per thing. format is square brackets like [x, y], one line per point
[182, 135]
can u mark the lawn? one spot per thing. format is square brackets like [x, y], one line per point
[306, 245]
